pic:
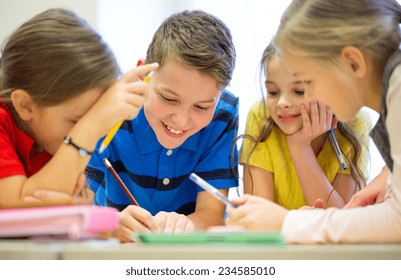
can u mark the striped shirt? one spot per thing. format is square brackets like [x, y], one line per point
[158, 177]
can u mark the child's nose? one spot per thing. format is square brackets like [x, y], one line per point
[180, 118]
[284, 101]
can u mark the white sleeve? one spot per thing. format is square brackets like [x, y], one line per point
[376, 223]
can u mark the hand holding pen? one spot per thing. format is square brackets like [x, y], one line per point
[133, 83]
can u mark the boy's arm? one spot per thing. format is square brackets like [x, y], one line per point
[209, 211]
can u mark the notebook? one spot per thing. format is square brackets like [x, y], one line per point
[202, 237]
[70, 221]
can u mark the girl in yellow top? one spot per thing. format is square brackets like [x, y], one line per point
[286, 153]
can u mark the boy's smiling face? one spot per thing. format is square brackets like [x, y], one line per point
[181, 102]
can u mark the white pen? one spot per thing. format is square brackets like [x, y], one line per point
[209, 188]
[337, 149]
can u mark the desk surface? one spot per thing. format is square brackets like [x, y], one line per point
[112, 249]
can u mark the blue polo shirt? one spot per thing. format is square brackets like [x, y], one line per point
[158, 177]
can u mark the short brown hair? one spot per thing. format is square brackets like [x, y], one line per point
[198, 40]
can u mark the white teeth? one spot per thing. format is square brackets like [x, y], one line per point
[175, 131]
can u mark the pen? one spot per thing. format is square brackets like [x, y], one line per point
[117, 126]
[209, 188]
[337, 149]
[120, 182]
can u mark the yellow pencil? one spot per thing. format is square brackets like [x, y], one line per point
[116, 127]
[110, 136]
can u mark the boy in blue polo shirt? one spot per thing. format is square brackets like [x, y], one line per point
[188, 124]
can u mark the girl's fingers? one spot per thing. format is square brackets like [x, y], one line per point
[334, 122]
[314, 116]
[139, 71]
[138, 88]
[306, 121]
[322, 117]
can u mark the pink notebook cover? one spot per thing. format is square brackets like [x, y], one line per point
[72, 221]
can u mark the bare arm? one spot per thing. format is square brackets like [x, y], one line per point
[373, 193]
[259, 182]
[61, 173]
[314, 182]
[209, 211]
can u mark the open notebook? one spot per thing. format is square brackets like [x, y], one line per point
[71, 221]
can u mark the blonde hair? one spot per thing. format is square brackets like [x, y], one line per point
[319, 29]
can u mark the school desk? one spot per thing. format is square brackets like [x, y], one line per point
[111, 249]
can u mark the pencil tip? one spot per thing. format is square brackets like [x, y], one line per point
[106, 162]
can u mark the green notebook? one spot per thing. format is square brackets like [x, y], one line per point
[210, 237]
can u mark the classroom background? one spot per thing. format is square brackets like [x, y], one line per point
[128, 26]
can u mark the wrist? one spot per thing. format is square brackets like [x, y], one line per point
[300, 149]
[82, 151]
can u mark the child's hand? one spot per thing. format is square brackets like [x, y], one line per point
[135, 219]
[121, 101]
[48, 197]
[369, 195]
[256, 213]
[320, 121]
[172, 222]
[373, 193]
[319, 204]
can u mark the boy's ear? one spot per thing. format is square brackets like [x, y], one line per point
[23, 104]
[355, 60]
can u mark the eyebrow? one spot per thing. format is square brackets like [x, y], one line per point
[174, 93]
[298, 82]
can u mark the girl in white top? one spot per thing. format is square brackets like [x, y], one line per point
[347, 53]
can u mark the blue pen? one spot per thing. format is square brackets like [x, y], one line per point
[337, 149]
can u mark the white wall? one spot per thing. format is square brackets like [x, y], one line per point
[15, 12]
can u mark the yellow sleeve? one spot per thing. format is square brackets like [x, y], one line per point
[252, 130]
[257, 156]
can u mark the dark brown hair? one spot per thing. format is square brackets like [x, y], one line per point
[55, 56]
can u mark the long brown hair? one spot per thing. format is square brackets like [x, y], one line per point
[55, 56]
[268, 124]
